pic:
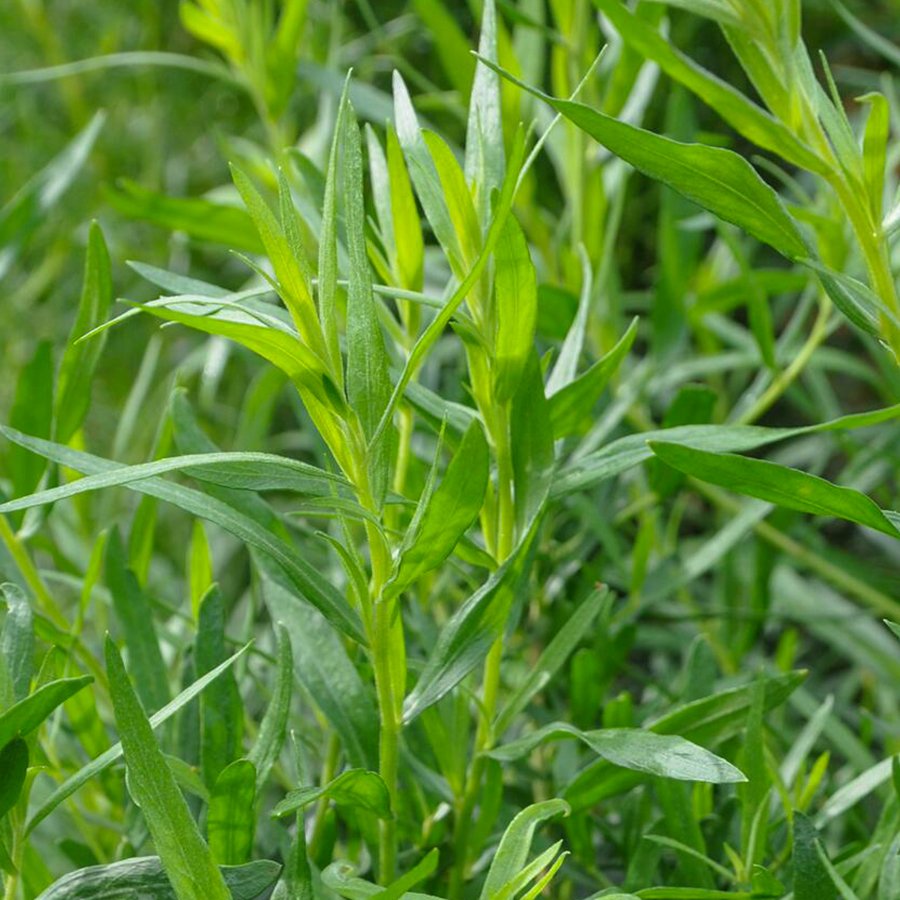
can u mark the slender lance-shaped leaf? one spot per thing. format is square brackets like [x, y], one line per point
[111, 756]
[280, 346]
[573, 402]
[292, 283]
[422, 169]
[312, 586]
[197, 217]
[73, 385]
[666, 755]
[183, 853]
[750, 120]
[515, 308]
[221, 712]
[135, 617]
[17, 640]
[811, 878]
[419, 872]
[466, 638]
[245, 471]
[231, 820]
[273, 729]
[531, 439]
[716, 179]
[23, 717]
[622, 454]
[143, 878]
[445, 514]
[777, 484]
[368, 381]
[13, 769]
[515, 844]
[357, 788]
[484, 131]
[340, 877]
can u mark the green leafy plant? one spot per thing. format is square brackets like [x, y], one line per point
[482, 541]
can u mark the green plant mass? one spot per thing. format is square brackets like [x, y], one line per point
[450, 450]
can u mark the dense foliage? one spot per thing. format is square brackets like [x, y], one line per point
[507, 507]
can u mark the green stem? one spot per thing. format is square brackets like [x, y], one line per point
[389, 736]
[786, 378]
[484, 736]
[388, 662]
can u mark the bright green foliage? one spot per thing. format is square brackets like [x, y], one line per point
[184, 855]
[514, 435]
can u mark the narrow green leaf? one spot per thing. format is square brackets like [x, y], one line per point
[357, 788]
[199, 566]
[106, 759]
[515, 309]
[183, 854]
[748, 119]
[246, 471]
[144, 877]
[422, 170]
[811, 878]
[231, 819]
[515, 845]
[777, 484]
[13, 769]
[340, 877]
[17, 640]
[706, 722]
[444, 515]
[25, 716]
[311, 585]
[716, 179]
[419, 872]
[328, 256]
[468, 635]
[572, 404]
[460, 206]
[32, 411]
[280, 346]
[666, 755]
[484, 130]
[531, 440]
[368, 381]
[857, 301]
[407, 229]
[293, 286]
[76, 371]
[221, 710]
[624, 453]
[199, 218]
[875, 142]
[273, 729]
[135, 617]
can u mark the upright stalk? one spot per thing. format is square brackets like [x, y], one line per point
[484, 735]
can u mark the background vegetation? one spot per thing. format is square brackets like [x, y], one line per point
[463, 672]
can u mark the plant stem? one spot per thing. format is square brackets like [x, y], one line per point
[786, 378]
[484, 735]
